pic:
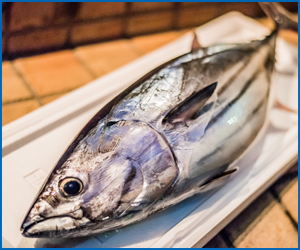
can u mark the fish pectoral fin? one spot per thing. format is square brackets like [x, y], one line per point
[189, 108]
[218, 180]
[195, 44]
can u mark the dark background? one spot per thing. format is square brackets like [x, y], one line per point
[34, 28]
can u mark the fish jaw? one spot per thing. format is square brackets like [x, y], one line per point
[55, 227]
[61, 222]
[68, 227]
[42, 221]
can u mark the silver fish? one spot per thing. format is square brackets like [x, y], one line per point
[172, 134]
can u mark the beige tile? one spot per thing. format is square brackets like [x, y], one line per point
[263, 224]
[105, 57]
[274, 230]
[96, 31]
[215, 242]
[195, 4]
[3, 45]
[290, 200]
[51, 98]
[189, 17]
[11, 112]
[92, 10]
[53, 73]
[147, 6]
[247, 8]
[42, 39]
[13, 87]
[29, 15]
[150, 22]
[148, 43]
[4, 14]
[286, 191]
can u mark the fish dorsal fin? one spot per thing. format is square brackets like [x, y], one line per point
[188, 109]
[195, 44]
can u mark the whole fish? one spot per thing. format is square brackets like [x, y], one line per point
[172, 134]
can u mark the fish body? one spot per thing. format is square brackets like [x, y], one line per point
[168, 136]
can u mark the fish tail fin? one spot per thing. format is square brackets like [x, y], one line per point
[282, 18]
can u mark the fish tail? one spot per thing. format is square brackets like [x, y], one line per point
[282, 18]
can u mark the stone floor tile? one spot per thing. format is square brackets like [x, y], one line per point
[38, 40]
[215, 242]
[290, 201]
[94, 10]
[286, 191]
[13, 111]
[189, 17]
[31, 15]
[53, 73]
[104, 57]
[263, 224]
[148, 6]
[13, 87]
[3, 45]
[51, 98]
[148, 43]
[91, 32]
[149, 23]
[274, 230]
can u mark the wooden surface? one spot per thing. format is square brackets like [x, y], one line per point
[29, 83]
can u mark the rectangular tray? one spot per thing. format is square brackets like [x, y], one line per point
[32, 145]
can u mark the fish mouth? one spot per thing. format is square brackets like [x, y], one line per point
[54, 227]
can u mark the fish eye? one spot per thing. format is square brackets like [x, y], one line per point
[70, 186]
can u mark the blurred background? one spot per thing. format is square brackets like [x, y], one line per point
[39, 27]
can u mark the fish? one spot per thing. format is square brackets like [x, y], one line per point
[174, 133]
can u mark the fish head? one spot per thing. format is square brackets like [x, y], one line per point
[110, 180]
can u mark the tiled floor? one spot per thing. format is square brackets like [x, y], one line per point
[28, 83]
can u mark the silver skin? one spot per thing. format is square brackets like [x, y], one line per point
[160, 141]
